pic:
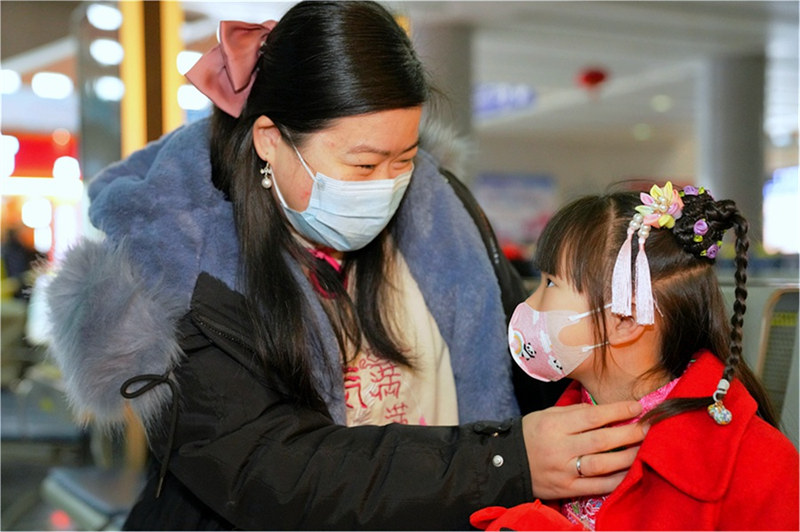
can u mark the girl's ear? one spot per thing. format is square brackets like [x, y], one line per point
[623, 330]
[265, 138]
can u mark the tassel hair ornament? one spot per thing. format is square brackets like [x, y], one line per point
[621, 278]
[659, 209]
[644, 287]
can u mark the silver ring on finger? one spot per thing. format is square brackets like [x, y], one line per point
[578, 466]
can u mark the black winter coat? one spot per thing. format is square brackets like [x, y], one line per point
[393, 477]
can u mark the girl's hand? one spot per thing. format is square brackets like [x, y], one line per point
[557, 437]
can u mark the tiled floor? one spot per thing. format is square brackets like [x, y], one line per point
[22, 469]
[30, 444]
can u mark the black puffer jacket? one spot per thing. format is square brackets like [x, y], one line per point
[244, 441]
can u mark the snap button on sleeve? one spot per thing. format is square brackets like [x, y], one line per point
[497, 460]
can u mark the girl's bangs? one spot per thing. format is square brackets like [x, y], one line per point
[573, 246]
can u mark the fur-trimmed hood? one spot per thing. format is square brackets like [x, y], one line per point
[114, 303]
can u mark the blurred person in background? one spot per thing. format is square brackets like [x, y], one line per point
[18, 260]
[301, 310]
[19, 256]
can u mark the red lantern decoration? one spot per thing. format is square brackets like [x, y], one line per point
[592, 78]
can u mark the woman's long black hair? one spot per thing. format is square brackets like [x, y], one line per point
[581, 243]
[322, 61]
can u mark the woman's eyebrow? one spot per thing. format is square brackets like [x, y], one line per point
[366, 148]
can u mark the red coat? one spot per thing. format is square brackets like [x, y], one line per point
[692, 474]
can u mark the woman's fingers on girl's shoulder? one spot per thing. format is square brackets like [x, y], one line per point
[596, 416]
[609, 438]
[603, 464]
[603, 472]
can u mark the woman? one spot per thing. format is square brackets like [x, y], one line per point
[279, 299]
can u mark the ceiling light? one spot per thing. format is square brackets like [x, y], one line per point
[186, 60]
[51, 85]
[104, 17]
[191, 99]
[9, 146]
[106, 51]
[109, 88]
[66, 168]
[661, 103]
[10, 81]
[37, 212]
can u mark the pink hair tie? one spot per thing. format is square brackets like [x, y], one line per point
[226, 72]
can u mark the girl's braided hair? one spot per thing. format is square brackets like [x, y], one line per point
[714, 218]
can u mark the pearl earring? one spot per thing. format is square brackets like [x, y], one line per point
[267, 173]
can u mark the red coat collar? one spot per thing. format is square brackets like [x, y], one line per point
[690, 450]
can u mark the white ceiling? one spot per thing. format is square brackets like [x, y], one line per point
[647, 47]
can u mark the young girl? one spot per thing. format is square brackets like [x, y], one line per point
[713, 458]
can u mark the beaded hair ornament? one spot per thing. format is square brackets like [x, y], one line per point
[659, 209]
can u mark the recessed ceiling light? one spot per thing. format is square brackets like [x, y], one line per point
[186, 60]
[37, 212]
[51, 85]
[661, 103]
[106, 51]
[191, 99]
[104, 17]
[109, 88]
[9, 146]
[66, 168]
[10, 81]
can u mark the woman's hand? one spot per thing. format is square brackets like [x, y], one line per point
[556, 438]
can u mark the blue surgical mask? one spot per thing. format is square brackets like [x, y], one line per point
[346, 215]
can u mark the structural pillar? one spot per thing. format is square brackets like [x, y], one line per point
[446, 52]
[730, 133]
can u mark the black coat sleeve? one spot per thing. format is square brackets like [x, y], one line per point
[260, 461]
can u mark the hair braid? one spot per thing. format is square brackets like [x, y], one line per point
[699, 231]
[740, 292]
[734, 365]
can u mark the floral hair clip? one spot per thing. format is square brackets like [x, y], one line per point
[700, 230]
[689, 190]
[701, 226]
[660, 208]
[713, 249]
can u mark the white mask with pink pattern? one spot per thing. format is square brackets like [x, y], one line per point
[533, 338]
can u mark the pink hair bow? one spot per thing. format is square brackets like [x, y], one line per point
[226, 72]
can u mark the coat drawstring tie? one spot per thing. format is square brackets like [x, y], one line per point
[152, 381]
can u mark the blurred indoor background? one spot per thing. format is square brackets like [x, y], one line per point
[549, 100]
